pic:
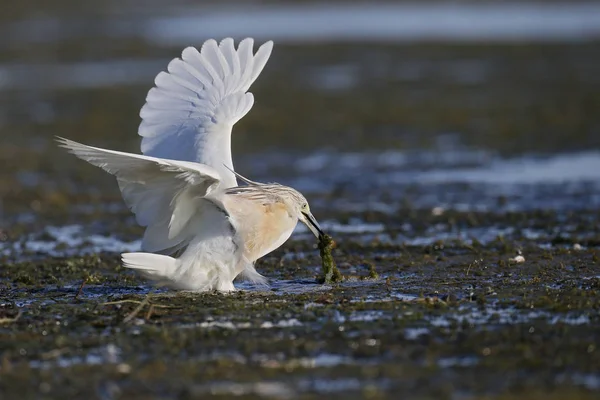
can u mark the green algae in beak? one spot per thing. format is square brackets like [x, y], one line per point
[330, 272]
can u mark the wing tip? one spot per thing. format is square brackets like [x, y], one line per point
[65, 143]
[189, 51]
[269, 44]
[249, 65]
[226, 41]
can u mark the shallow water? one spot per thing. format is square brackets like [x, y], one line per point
[451, 150]
[342, 21]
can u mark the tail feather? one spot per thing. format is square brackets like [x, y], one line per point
[156, 266]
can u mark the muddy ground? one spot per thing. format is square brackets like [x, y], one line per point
[447, 320]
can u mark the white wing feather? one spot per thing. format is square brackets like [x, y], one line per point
[163, 194]
[190, 113]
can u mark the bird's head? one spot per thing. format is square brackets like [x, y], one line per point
[300, 208]
[295, 202]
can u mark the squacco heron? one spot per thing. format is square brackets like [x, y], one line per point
[202, 229]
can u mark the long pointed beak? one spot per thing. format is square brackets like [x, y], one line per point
[313, 225]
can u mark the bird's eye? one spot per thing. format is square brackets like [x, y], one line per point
[305, 206]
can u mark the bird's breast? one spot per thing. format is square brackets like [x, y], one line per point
[262, 228]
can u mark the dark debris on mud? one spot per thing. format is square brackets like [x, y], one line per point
[459, 316]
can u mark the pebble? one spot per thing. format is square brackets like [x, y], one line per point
[518, 259]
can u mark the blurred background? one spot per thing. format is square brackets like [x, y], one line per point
[451, 148]
[460, 104]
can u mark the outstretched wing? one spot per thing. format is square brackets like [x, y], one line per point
[189, 114]
[163, 194]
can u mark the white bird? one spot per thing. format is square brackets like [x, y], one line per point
[202, 230]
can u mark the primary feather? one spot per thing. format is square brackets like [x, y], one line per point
[163, 194]
[190, 113]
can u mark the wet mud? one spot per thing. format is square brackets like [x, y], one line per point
[424, 321]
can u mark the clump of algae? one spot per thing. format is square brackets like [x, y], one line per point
[330, 272]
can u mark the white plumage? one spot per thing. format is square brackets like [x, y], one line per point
[205, 229]
[190, 113]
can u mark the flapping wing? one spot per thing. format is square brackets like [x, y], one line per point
[163, 194]
[190, 113]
